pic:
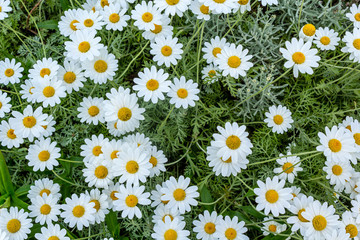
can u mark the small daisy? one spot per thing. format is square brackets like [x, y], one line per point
[337, 144]
[183, 93]
[173, 7]
[166, 230]
[67, 23]
[338, 172]
[44, 187]
[326, 39]
[92, 149]
[49, 91]
[206, 226]
[7, 136]
[10, 70]
[78, 211]
[52, 232]
[179, 194]
[200, 10]
[231, 229]
[145, 16]
[279, 119]
[4, 9]
[355, 131]
[220, 6]
[101, 68]
[213, 48]
[112, 149]
[351, 227]
[346, 123]
[113, 130]
[110, 193]
[272, 227]
[162, 211]
[5, 106]
[27, 91]
[162, 30]
[45, 67]
[151, 84]
[92, 5]
[289, 167]
[129, 198]
[101, 204]
[352, 41]
[243, 6]
[45, 209]
[156, 196]
[157, 159]
[234, 61]
[296, 192]
[272, 196]
[298, 207]
[166, 50]
[89, 20]
[210, 73]
[354, 15]
[139, 140]
[49, 128]
[300, 56]
[98, 173]
[114, 17]
[269, 2]
[71, 75]
[15, 223]
[43, 154]
[91, 110]
[307, 32]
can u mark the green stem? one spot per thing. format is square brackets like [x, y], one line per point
[71, 161]
[163, 122]
[273, 159]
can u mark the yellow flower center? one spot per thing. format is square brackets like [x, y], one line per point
[0, 9]
[278, 119]
[298, 58]
[300, 217]
[233, 142]
[166, 51]
[167, 215]
[49, 91]
[104, 3]
[153, 161]
[288, 168]
[170, 234]
[272, 196]
[72, 25]
[78, 211]
[131, 201]
[234, 61]
[69, 77]
[243, 2]
[209, 228]
[88, 22]
[29, 121]
[319, 223]
[309, 30]
[337, 170]
[227, 161]
[113, 155]
[44, 156]
[97, 204]
[272, 228]
[334, 145]
[182, 93]
[97, 151]
[114, 18]
[212, 73]
[357, 17]
[53, 238]
[352, 230]
[172, 2]
[179, 194]
[348, 127]
[101, 172]
[325, 40]
[230, 233]
[47, 191]
[147, 17]
[356, 43]
[44, 72]
[124, 114]
[216, 51]
[219, 1]
[84, 47]
[13, 226]
[204, 9]
[158, 29]
[9, 72]
[152, 85]
[30, 90]
[93, 111]
[112, 195]
[100, 66]
[10, 134]
[132, 167]
[45, 209]
[357, 138]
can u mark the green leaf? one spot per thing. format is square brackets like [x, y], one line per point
[113, 224]
[19, 203]
[5, 176]
[250, 210]
[206, 197]
[48, 24]
[65, 4]
[23, 190]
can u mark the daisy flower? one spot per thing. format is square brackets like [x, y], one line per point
[43, 154]
[83, 45]
[49, 128]
[15, 223]
[183, 93]
[49, 91]
[89, 20]
[162, 30]
[272, 196]
[232, 142]
[350, 225]
[346, 123]
[162, 211]
[296, 192]
[101, 204]
[289, 167]
[101, 68]
[71, 75]
[112, 149]
[213, 48]
[110, 193]
[321, 220]
[355, 131]
[164, 230]
[297, 208]
[173, 7]
[200, 10]
[243, 6]
[231, 229]
[129, 198]
[338, 172]
[52, 232]
[156, 196]
[352, 41]
[113, 130]
[354, 15]
[300, 56]
[210, 73]
[78, 211]
[220, 6]
[269, 2]
[92, 149]
[5, 8]
[166, 50]
[157, 159]
[307, 32]
[91, 110]
[5, 106]
[234, 61]
[67, 25]
[338, 234]
[139, 139]
[272, 227]
[45, 67]
[7, 136]
[44, 187]
[356, 208]
[114, 17]
[45, 209]
[103, 3]
[29, 123]
[337, 144]
[10, 71]
[206, 226]
[98, 173]
[326, 39]
[151, 84]
[146, 15]
[27, 91]
[179, 194]
[92, 5]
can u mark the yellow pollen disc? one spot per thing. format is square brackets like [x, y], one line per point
[113, 155]
[167, 215]
[319, 223]
[170, 234]
[45, 209]
[164, 202]
[356, 43]
[233, 142]
[309, 30]
[132, 167]
[10, 134]
[230, 233]
[348, 127]
[234, 61]
[44, 127]
[166, 51]
[152, 85]
[219, 1]
[272, 196]
[114, 18]
[325, 40]
[243, 2]
[131, 201]
[216, 51]
[101, 172]
[294, 195]
[298, 58]
[115, 125]
[78, 211]
[44, 72]
[13, 226]
[172, 2]
[179, 194]
[182, 93]
[100, 66]
[300, 217]
[69, 77]
[30, 90]
[84, 47]
[72, 25]
[209, 228]
[278, 119]
[272, 228]
[352, 230]
[289, 167]
[97, 204]
[1, 105]
[124, 114]
[9, 72]
[53, 238]
[153, 161]
[49, 91]
[337, 170]
[204, 9]
[104, 3]
[88, 22]
[29, 122]
[158, 29]
[47, 191]
[93, 9]
[0, 9]
[227, 161]
[334, 145]
[147, 17]
[93, 111]
[357, 17]
[357, 138]
[44, 156]
[97, 150]
[112, 195]
[212, 73]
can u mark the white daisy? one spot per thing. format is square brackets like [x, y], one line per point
[200, 10]
[231, 229]
[326, 39]
[300, 56]
[44, 187]
[207, 225]
[269, 2]
[45, 67]
[140, 141]
[166, 50]
[338, 234]
[43, 154]
[10, 70]
[15, 223]
[307, 32]
[103, 3]
[52, 232]
[350, 225]
[157, 159]
[89, 20]
[146, 15]
[114, 17]
[272, 227]
[162, 211]
[49, 91]
[279, 119]
[71, 75]
[7, 136]
[101, 204]
[298, 207]
[92, 5]
[338, 172]
[156, 196]
[110, 193]
[5, 106]
[354, 15]
[296, 192]
[112, 149]
[92, 149]
[162, 30]
[346, 123]
[173, 7]
[27, 91]
[355, 131]
[98, 173]
[289, 167]
[91, 110]
[170, 230]
[211, 73]
[67, 25]
[4, 9]
[213, 48]
[183, 93]
[243, 6]
[220, 6]
[49, 127]
[113, 130]
[356, 208]
[352, 41]
[44, 209]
